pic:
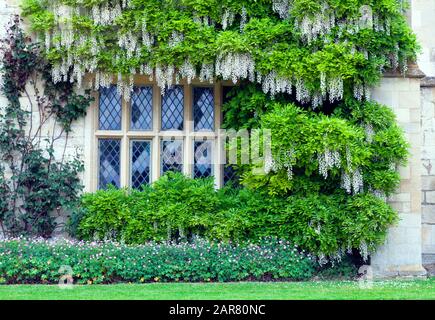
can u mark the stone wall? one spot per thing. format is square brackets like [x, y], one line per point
[7, 7]
[401, 255]
[423, 21]
[428, 170]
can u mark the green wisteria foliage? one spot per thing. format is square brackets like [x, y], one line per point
[304, 70]
[321, 48]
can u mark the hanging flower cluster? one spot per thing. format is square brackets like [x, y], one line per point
[282, 7]
[106, 14]
[273, 84]
[312, 27]
[235, 67]
[227, 19]
[352, 181]
[285, 160]
[327, 161]
[83, 31]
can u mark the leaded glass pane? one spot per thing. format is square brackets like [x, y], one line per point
[230, 175]
[140, 163]
[173, 109]
[203, 108]
[203, 159]
[110, 109]
[109, 163]
[142, 109]
[172, 155]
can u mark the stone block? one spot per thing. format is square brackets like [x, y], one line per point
[413, 235]
[403, 115]
[428, 152]
[405, 172]
[428, 213]
[402, 84]
[406, 207]
[398, 206]
[416, 200]
[384, 97]
[409, 99]
[428, 139]
[411, 127]
[410, 220]
[430, 197]
[415, 116]
[400, 197]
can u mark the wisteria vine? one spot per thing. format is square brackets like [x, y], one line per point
[117, 39]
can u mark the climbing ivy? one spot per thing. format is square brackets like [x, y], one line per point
[34, 182]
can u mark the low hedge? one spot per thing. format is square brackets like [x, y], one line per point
[42, 261]
[176, 206]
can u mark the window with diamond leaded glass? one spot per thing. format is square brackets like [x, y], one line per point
[203, 159]
[132, 151]
[109, 163]
[140, 163]
[110, 109]
[203, 108]
[172, 155]
[142, 109]
[173, 109]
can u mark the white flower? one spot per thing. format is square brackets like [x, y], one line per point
[227, 19]
[235, 66]
[187, 71]
[282, 7]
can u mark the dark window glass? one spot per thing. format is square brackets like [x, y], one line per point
[142, 109]
[110, 109]
[140, 163]
[203, 108]
[172, 155]
[203, 159]
[109, 163]
[173, 109]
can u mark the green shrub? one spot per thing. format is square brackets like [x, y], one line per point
[107, 213]
[36, 261]
[179, 207]
[344, 269]
[174, 207]
[324, 225]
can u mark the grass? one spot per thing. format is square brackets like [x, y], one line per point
[336, 290]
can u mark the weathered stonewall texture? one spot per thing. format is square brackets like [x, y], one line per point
[422, 21]
[402, 253]
[428, 170]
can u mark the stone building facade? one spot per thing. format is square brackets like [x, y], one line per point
[422, 19]
[410, 244]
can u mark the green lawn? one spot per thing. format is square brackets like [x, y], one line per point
[403, 289]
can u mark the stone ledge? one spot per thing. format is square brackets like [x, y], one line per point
[402, 271]
[413, 72]
[428, 82]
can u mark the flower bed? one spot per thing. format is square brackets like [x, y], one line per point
[42, 261]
